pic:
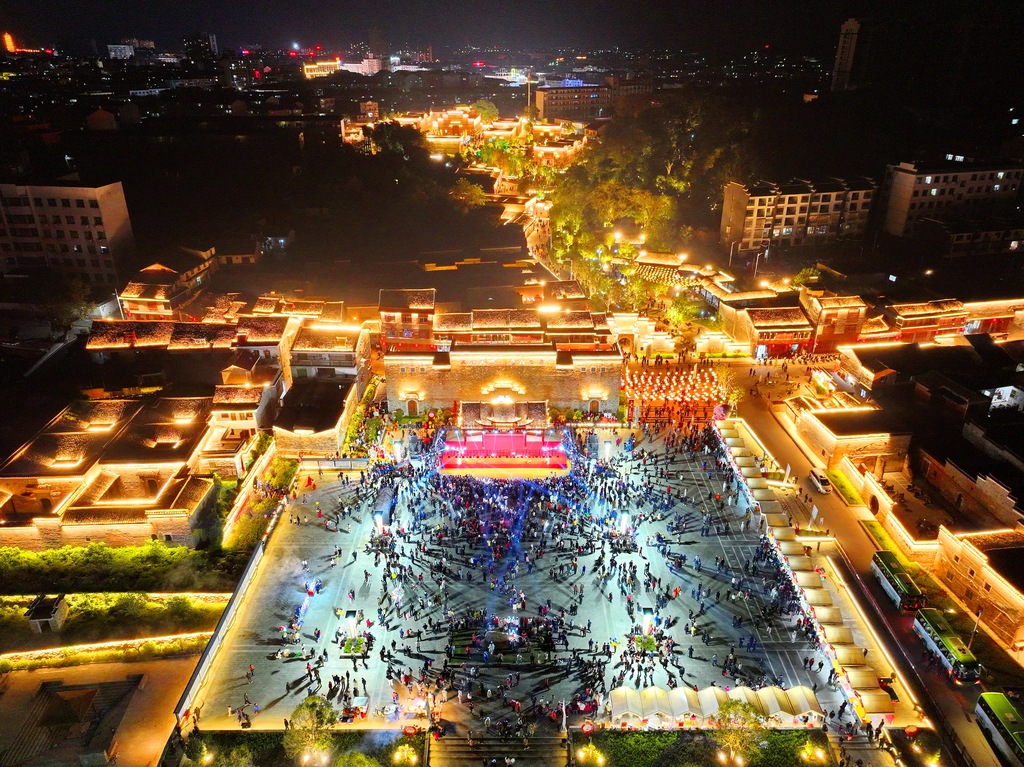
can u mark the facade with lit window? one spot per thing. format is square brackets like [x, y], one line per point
[922, 321]
[79, 231]
[764, 214]
[947, 191]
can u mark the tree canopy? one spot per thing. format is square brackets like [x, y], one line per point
[310, 728]
[391, 137]
[467, 194]
[486, 109]
[738, 728]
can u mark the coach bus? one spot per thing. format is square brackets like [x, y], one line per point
[1003, 725]
[896, 582]
[938, 637]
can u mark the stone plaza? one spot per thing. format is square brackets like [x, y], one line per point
[492, 630]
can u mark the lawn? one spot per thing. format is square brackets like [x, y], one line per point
[153, 567]
[844, 488]
[104, 617]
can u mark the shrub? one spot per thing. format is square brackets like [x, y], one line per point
[152, 567]
[373, 427]
[844, 488]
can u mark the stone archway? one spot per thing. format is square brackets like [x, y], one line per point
[873, 504]
[412, 408]
[626, 345]
[595, 407]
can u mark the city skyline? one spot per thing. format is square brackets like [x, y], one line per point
[692, 24]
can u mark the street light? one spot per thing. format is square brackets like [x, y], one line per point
[730, 758]
[405, 754]
[732, 247]
[589, 755]
[977, 622]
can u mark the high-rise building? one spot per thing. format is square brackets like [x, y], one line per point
[947, 191]
[201, 46]
[138, 43]
[846, 56]
[756, 216]
[376, 46]
[120, 51]
[573, 100]
[77, 231]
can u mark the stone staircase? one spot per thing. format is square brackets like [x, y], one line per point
[455, 751]
[746, 461]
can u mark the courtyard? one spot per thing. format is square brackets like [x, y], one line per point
[507, 606]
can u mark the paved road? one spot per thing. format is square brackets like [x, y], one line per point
[954, 703]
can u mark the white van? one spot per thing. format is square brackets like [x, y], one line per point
[820, 481]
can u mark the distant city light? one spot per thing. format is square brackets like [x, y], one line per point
[295, 46]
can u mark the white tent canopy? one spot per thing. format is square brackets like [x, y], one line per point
[711, 699]
[801, 564]
[826, 615]
[791, 548]
[654, 702]
[818, 597]
[863, 678]
[774, 701]
[838, 635]
[808, 580]
[803, 702]
[746, 695]
[683, 704]
[875, 701]
[625, 702]
[848, 655]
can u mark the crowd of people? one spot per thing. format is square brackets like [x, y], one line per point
[490, 589]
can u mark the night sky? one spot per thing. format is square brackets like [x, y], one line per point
[724, 26]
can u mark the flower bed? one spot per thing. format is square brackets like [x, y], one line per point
[354, 646]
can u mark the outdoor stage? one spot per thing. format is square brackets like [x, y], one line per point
[518, 453]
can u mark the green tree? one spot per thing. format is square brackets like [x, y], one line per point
[486, 109]
[396, 139]
[805, 275]
[195, 747]
[739, 729]
[310, 729]
[684, 309]
[468, 195]
[238, 756]
[67, 302]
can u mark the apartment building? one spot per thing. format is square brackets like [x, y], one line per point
[78, 231]
[573, 100]
[764, 214]
[947, 191]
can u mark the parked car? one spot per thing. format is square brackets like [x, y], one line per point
[820, 481]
